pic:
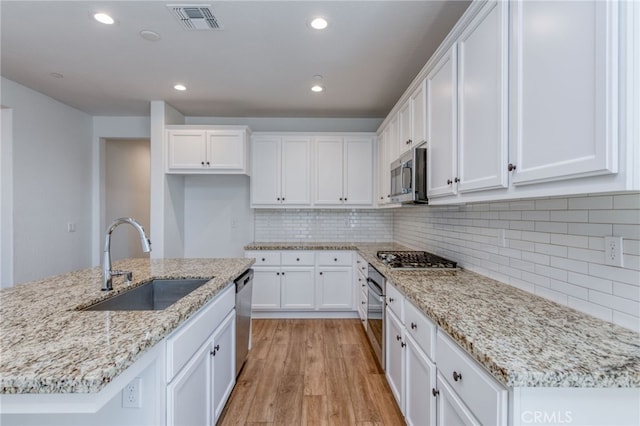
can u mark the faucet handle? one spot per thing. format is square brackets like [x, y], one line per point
[128, 275]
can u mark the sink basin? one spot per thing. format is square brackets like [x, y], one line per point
[154, 295]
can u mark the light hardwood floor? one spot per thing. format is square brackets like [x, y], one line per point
[311, 372]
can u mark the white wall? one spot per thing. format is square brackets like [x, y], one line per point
[6, 197]
[554, 247]
[52, 183]
[127, 192]
[218, 219]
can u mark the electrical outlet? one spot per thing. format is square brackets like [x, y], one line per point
[132, 394]
[613, 251]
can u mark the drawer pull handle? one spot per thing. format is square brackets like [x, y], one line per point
[391, 300]
[435, 392]
[457, 376]
[414, 325]
[403, 344]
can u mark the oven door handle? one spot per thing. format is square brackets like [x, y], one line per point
[375, 287]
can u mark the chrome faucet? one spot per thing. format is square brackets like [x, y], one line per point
[107, 272]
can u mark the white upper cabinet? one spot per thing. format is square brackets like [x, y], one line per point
[482, 101]
[383, 169]
[344, 170]
[442, 126]
[564, 83]
[392, 139]
[411, 120]
[281, 173]
[207, 149]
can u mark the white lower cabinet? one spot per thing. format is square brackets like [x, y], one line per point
[303, 280]
[395, 360]
[451, 409]
[419, 400]
[199, 386]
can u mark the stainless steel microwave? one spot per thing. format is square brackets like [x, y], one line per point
[409, 176]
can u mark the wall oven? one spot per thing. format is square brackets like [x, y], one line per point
[409, 176]
[375, 313]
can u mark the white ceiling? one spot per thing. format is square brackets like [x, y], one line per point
[260, 64]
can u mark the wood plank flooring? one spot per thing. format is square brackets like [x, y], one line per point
[311, 372]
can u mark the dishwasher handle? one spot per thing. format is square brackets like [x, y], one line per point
[243, 280]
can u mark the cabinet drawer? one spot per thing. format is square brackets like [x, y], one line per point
[361, 282]
[362, 266]
[293, 258]
[395, 301]
[421, 328]
[184, 342]
[481, 393]
[335, 258]
[265, 257]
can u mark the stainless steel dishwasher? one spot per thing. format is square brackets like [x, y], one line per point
[244, 288]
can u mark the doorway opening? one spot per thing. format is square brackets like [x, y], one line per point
[126, 189]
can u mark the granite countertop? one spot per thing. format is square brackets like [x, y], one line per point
[522, 339]
[47, 346]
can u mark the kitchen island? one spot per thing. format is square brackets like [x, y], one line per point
[536, 349]
[56, 358]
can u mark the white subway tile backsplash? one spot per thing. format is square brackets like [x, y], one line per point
[551, 248]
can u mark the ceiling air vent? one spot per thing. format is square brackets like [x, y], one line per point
[195, 17]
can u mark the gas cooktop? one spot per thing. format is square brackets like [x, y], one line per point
[414, 260]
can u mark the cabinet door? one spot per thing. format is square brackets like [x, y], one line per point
[296, 170]
[266, 288]
[222, 351]
[563, 80]
[383, 168]
[189, 394]
[265, 175]
[335, 288]
[420, 404]
[298, 288]
[404, 127]
[226, 149]
[482, 101]
[418, 115]
[451, 410]
[394, 144]
[395, 368]
[187, 149]
[329, 164]
[441, 126]
[358, 171]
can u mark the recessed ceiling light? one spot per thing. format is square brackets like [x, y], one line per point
[319, 23]
[103, 18]
[149, 35]
[316, 88]
[180, 87]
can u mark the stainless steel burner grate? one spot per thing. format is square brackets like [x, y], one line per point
[414, 260]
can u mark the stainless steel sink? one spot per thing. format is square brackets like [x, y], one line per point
[154, 295]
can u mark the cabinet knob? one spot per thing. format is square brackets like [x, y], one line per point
[391, 300]
[263, 259]
[282, 198]
[414, 325]
[435, 392]
[212, 353]
[340, 198]
[403, 344]
[335, 259]
[202, 162]
[297, 259]
[278, 198]
[277, 273]
[208, 164]
[456, 180]
[345, 198]
[449, 181]
[457, 376]
[398, 337]
[511, 167]
[320, 273]
[364, 303]
[283, 273]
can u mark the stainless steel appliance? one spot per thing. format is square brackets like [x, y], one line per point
[375, 313]
[244, 289]
[409, 176]
[414, 260]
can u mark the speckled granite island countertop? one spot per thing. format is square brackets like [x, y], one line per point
[522, 339]
[47, 346]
